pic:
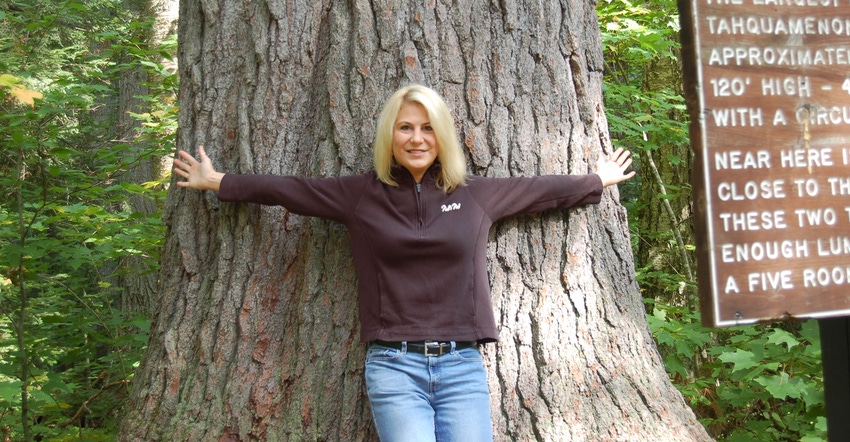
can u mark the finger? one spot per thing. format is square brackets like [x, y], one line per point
[182, 166]
[621, 155]
[184, 158]
[623, 160]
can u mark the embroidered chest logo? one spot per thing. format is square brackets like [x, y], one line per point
[450, 207]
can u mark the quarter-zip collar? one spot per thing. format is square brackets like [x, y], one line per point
[404, 178]
[420, 190]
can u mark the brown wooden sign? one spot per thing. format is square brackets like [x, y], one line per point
[768, 90]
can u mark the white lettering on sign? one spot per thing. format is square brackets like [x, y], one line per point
[729, 87]
[764, 281]
[731, 286]
[779, 118]
[833, 246]
[798, 86]
[747, 221]
[735, 160]
[833, 3]
[807, 186]
[725, 2]
[779, 56]
[816, 217]
[824, 116]
[751, 190]
[839, 186]
[764, 251]
[738, 116]
[806, 157]
[825, 276]
[767, 25]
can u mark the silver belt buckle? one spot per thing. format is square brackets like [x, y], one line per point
[433, 345]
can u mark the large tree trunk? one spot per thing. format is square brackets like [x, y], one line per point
[257, 336]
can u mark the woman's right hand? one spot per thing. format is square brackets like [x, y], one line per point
[199, 175]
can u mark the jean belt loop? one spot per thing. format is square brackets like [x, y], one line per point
[403, 347]
[454, 344]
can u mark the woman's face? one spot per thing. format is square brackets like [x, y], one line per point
[414, 142]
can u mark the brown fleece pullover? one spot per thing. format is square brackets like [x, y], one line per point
[420, 254]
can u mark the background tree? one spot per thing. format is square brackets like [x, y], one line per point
[138, 107]
[257, 335]
[643, 83]
[67, 350]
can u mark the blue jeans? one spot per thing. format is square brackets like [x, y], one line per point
[428, 398]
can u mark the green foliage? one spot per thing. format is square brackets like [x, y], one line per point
[761, 382]
[633, 37]
[67, 351]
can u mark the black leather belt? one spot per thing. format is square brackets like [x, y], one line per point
[428, 348]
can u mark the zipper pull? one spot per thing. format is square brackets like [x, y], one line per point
[418, 187]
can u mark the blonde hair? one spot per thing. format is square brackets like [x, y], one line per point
[451, 157]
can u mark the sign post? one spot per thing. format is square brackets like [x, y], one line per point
[767, 83]
[835, 345]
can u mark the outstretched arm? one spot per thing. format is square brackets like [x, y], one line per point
[199, 175]
[612, 168]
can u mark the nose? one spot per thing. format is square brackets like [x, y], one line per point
[417, 136]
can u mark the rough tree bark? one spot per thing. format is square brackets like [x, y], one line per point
[257, 337]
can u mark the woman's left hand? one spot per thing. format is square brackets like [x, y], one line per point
[612, 168]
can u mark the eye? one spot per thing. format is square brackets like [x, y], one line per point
[428, 128]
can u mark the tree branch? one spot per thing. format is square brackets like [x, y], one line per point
[85, 405]
[683, 252]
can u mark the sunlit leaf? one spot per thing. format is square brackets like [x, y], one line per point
[25, 96]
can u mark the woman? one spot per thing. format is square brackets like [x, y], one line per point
[418, 227]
